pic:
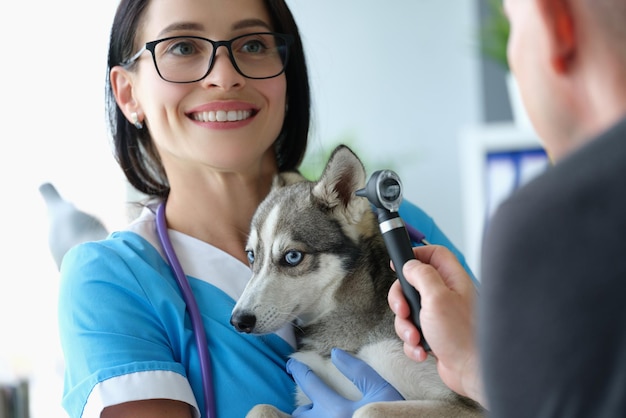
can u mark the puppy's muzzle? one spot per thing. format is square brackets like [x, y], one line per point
[243, 321]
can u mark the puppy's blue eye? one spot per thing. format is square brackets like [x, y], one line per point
[293, 257]
[250, 254]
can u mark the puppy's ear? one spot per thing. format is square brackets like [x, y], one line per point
[287, 178]
[343, 176]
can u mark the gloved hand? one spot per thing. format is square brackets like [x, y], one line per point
[329, 404]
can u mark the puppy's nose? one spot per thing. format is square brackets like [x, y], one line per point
[243, 321]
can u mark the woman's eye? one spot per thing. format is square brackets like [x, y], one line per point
[253, 47]
[293, 257]
[182, 48]
[250, 255]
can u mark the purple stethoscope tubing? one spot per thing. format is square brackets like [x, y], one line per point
[192, 308]
[415, 235]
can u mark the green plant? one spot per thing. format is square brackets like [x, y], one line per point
[495, 34]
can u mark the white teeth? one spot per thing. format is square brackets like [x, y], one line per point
[234, 115]
[222, 116]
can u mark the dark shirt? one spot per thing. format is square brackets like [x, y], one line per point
[552, 311]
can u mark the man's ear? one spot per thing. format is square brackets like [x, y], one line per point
[122, 86]
[559, 19]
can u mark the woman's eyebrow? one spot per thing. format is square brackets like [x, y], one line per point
[179, 26]
[194, 26]
[247, 23]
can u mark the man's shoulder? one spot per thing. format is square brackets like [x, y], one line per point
[601, 156]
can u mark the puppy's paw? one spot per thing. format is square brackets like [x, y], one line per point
[266, 411]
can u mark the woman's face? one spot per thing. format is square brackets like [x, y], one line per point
[180, 116]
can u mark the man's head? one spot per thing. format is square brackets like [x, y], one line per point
[569, 59]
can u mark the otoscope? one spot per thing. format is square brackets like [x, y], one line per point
[384, 191]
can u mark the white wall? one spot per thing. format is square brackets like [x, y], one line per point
[52, 118]
[400, 77]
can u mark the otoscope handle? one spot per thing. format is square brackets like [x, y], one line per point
[400, 250]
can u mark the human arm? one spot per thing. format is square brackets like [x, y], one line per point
[326, 402]
[447, 318]
[153, 408]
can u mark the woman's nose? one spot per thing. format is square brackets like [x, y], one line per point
[223, 72]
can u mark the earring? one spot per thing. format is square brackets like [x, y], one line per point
[136, 121]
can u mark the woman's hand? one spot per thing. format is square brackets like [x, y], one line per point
[328, 403]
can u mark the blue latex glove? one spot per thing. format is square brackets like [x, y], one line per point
[329, 404]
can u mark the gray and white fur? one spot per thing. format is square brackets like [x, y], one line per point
[319, 261]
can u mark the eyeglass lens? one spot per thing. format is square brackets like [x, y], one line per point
[187, 59]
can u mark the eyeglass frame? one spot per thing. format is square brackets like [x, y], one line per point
[150, 46]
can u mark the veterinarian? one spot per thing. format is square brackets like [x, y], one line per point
[203, 112]
[551, 340]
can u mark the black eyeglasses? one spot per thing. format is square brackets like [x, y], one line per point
[187, 59]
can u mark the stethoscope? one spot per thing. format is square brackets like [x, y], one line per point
[194, 312]
[192, 307]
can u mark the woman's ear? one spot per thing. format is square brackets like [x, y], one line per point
[559, 19]
[122, 86]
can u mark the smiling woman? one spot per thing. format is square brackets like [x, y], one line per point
[190, 122]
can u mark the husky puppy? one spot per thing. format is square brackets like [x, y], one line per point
[319, 261]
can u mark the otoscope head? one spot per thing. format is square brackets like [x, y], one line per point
[383, 190]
